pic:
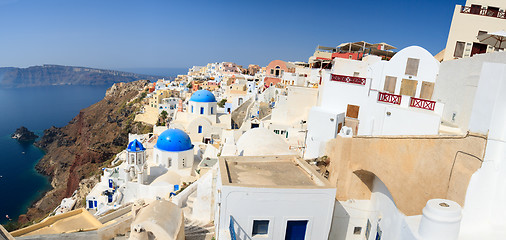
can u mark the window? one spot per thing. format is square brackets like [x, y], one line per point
[357, 230]
[132, 158]
[352, 111]
[355, 74]
[192, 109]
[169, 161]
[212, 110]
[475, 9]
[459, 49]
[260, 227]
[201, 110]
[390, 84]
[200, 129]
[427, 89]
[412, 66]
[408, 87]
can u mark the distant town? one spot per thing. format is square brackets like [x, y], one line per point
[361, 141]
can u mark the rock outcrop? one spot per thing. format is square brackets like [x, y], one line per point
[23, 134]
[77, 152]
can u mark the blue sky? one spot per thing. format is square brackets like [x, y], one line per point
[174, 34]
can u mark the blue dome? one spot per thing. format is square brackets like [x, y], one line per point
[174, 140]
[135, 146]
[203, 96]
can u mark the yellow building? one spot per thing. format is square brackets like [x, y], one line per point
[158, 96]
[475, 18]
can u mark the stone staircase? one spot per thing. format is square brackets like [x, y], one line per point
[194, 229]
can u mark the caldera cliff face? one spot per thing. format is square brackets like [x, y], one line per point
[76, 152]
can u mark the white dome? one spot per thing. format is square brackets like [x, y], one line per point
[262, 142]
[168, 178]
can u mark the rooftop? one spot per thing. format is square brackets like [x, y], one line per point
[270, 171]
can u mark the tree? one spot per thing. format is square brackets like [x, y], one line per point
[163, 114]
[222, 102]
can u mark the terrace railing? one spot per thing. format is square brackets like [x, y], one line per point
[240, 234]
[484, 12]
[389, 98]
[347, 79]
[422, 103]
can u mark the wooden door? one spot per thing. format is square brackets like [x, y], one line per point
[478, 48]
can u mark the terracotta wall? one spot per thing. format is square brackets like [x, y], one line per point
[414, 168]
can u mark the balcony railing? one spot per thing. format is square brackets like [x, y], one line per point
[347, 79]
[422, 103]
[484, 12]
[389, 98]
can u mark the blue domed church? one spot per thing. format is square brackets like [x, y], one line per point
[136, 162]
[203, 104]
[173, 150]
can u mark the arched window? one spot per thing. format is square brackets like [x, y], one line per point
[192, 108]
[201, 110]
[200, 129]
[212, 112]
[132, 158]
[240, 101]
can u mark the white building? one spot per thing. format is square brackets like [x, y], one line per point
[173, 150]
[201, 119]
[377, 98]
[169, 105]
[146, 176]
[285, 199]
[290, 114]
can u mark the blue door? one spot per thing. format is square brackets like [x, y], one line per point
[200, 129]
[296, 230]
[90, 204]
[109, 198]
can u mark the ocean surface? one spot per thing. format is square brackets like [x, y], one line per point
[37, 109]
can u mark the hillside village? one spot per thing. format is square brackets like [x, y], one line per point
[361, 141]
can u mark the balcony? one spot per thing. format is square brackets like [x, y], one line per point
[347, 79]
[483, 11]
[422, 103]
[389, 98]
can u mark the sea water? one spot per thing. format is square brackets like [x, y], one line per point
[36, 108]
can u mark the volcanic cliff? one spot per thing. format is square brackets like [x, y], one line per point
[76, 152]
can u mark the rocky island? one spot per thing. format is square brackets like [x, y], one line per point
[23, 134]
[51, 75]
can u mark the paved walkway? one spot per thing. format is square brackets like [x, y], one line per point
[150, 116]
